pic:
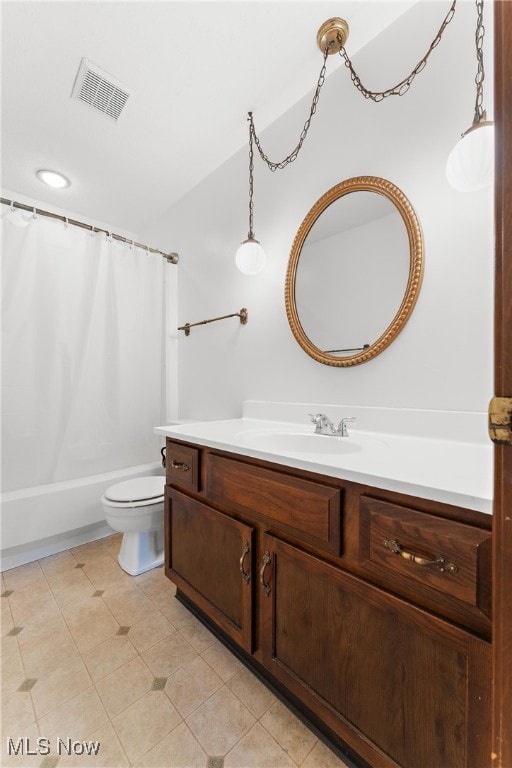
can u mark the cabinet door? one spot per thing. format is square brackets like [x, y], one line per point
[399, 685]
[208, 556]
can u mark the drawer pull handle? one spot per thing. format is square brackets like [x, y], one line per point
[439, 562]
[179, 465]
[245, 551]
[266, 561]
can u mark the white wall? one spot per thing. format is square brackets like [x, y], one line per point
[442, 359]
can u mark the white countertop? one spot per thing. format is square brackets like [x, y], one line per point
[449, 471]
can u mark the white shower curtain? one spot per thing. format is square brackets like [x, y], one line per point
[81, 353]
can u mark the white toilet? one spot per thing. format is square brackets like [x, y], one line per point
[136, 509]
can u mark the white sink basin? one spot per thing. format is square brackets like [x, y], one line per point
[302, 442]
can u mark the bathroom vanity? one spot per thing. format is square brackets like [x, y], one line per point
[367, 607]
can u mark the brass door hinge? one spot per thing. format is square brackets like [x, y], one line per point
[500, 420]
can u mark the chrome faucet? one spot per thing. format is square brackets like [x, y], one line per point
[324, 426]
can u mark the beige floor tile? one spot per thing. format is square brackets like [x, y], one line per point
[128, 604]
[103, 572]
[76, 719]
[90, 610]
[22, 576]
[257, 749]
[112, 544]
[12, 673]
[8, 646]
[179, 749]
[110, 753]
[289, 732]
[118, 593]
[152, 579]
[168, 655]
[84, 551]
[33, 604]
[17, 712]
[9, 742]
[108, 656]
[92, 633]
[124, 686]
[59, 686]
[176, 613]
[41, 658]
[42, 632]
[156, 586]
[145, 723]
[192, 685]
[220, 722]
[251, 692]
[71, 587]
[148, 632]
[6, 620]
[322, 757]
[225, 664]
[56, 564]
[198, 635]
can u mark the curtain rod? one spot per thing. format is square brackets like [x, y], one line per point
[172, 258]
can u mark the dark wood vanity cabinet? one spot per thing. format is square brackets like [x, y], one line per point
[292, 568]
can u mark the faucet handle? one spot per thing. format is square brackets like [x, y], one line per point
[323, 425]
[342, 426]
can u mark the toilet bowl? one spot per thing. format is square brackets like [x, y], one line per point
[135, 508]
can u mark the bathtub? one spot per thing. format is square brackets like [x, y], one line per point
[45, 519]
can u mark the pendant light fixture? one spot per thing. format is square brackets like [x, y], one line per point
[250, 257]
[470, 165]
[331, 37]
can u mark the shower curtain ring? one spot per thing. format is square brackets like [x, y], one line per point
[34, 215]
[12, 206]
[66, 222]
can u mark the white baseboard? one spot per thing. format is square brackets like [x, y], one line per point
[35, 550]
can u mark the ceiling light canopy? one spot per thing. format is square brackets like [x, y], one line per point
[53, 179]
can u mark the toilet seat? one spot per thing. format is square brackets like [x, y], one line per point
[138, 491]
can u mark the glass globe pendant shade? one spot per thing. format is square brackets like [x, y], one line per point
[470, 166]
[250, 257]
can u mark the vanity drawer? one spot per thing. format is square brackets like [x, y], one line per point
[182, 465]
[451, 557]
[308, 510]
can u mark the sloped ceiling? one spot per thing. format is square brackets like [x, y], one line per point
[195, 69]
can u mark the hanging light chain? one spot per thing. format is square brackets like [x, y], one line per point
[403, 86]
[480, 74]
[251, 180]
[293, 155]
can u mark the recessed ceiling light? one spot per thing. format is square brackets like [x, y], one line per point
[52, 178]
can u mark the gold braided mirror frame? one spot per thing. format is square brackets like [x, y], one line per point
[406, 211]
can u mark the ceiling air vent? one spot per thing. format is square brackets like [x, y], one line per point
[100, 90]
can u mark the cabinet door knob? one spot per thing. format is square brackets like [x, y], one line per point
[245, 551]
[438, 562]
[266, 561]
[180, 465]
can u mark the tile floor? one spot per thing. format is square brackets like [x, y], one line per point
[91, 655]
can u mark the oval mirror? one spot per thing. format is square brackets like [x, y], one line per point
[354, 271]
